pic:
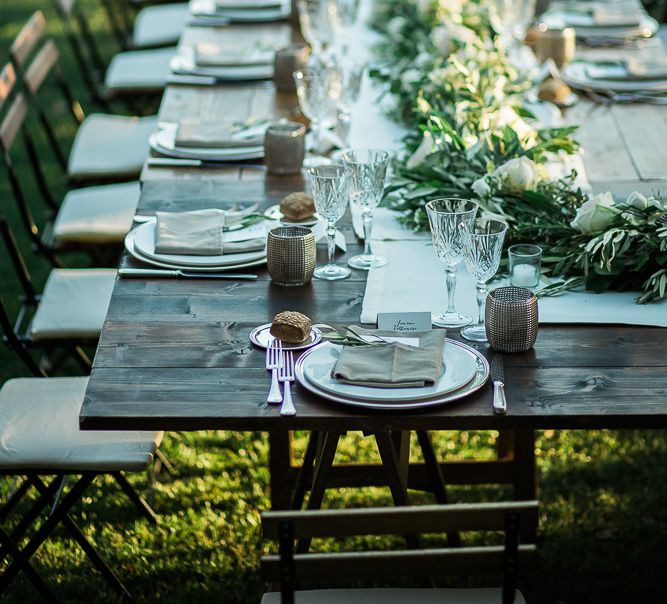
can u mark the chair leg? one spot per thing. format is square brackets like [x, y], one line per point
[61, 514]
[305, 472]
[82, 359]
[164, 463]
[135, 498]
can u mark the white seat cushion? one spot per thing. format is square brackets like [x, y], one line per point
[97, 214]
[74, 304]
[395, 596]
[110, 146]
[160, 25]
[39, 429]
[139, 71]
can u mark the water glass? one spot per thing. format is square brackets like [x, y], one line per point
[344, 17]
[330, 186]
[445, 215]
[316, 24]
[483, 245]
[525, 263]
[368, 169]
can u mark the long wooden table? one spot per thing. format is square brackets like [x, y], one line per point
[175, 354]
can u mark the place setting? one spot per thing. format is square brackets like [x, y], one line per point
[240, 11]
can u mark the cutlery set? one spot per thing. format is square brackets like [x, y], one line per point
[281, 365]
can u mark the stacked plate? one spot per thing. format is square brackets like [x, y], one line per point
[163, 141]
[609, 78]
[140, 244]
[466, 371]
[184, 63]
[241, 11]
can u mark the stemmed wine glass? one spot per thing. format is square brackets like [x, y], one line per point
[344, 17]
[368, 169]
[316, 25]
[313, 89]
[330, 185]
[483, 245]
[351, 75]
[511, 18]
[445, 215]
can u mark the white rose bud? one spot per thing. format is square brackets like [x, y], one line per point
[637, 200]
[410, 76]
[481, 188]
[442, 40]
[595, 214]
[426, 147]
[518, 174]
[395, 26]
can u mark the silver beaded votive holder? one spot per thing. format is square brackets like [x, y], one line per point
[284, 148]
[511, 317]
[291, 255]
[288, 60]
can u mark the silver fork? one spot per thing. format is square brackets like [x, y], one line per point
[286, 375]
[273, 363]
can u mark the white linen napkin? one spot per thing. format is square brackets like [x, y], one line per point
[219, 134]
[212, 55]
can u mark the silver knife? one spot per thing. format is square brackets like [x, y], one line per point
[177, 162]
[149, 273]
[498, 377]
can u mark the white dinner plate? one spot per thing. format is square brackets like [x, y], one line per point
[260, 12]
[144, 245]
[183, 63]
[479, 379]
[261, 336]
[460, 368]
[163, 141]
[274, 213]
[129, 246]
[575, 75]
[647, 27]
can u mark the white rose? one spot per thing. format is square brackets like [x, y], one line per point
[423, 6]
[410, 76]
[426, 147]
[518, 174]
[508, 117]
[395, 26]
[423, 59]
[462, 33]
[595, 214]
[442, 40]
[481, 188]
[637, 200]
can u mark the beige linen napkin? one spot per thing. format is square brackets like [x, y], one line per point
[634, 69]
[198, 233]
[212, 55]
[218, 134]
[393, 365]
[621, 15]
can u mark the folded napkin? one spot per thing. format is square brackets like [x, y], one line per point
[220, 134]
[393, 365]
[634, 69]
[212, 55]
[621, 15]
[198, 233]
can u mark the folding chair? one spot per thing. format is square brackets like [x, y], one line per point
[40, 437]
[106, 147]
[150, 27]
[288, 568]
[67, 316]
[132, 76]
[94, 219]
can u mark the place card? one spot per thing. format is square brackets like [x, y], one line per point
[404, 321]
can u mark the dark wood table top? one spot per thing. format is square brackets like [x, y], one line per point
[175, 354]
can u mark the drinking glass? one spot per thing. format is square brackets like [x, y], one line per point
[445, 215]
[330, 186]
[368, 169]
[344, 17]
[483, 245]
[351, 75]
[313, 89]
[511, 18]
[315, 22]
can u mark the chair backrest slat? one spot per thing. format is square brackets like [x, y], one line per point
[392, 564]
[7, 82]
[11, 125]
[28, 38]
[41, 66]
[65, 6]
[392, 521]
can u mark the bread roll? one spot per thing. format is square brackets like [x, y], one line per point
[297, 206]
[290, 326]
[554, 91]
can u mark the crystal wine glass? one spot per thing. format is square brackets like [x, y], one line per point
[351, 76]
[511, 18]
[483, 245]
[445, 215]
[368, 169]
[313, 91]
[344, 17]
[330, 185]
[315, 23]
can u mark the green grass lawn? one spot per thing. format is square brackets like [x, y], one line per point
[603, 520]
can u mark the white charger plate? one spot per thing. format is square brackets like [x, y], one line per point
[647, 27]
[163, 141]
[129, 246]
[575, 75]
[479, 379]
[460, 367]
[183, 63]
[254, 13]
[144, 245]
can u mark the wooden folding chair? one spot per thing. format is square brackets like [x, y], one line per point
[106, 147]
[288, 568]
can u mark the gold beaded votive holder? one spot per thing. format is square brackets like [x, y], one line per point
[288, 60]
[557, 44]
[511, 317]
[290, 252]
[284, 148]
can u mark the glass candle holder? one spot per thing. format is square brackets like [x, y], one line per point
[525, 262]
[288, 60]
[511, 319]
[290, 255]
[284, 148]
